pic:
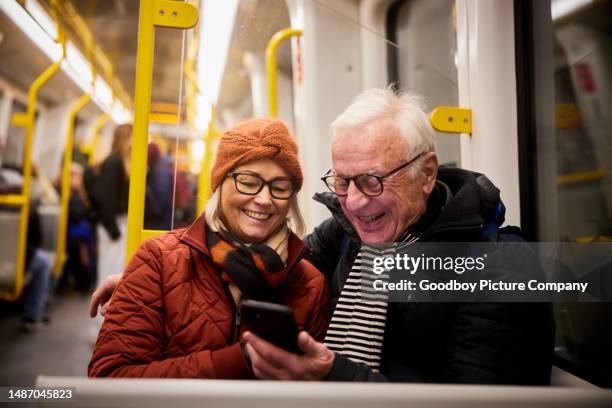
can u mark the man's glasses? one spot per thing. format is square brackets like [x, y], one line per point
[369, 184]
[252, 184]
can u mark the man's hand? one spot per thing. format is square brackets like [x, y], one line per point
[102, 295]
[270, 362]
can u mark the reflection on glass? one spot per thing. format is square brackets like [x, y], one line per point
[575, 193]
[170, 185]
[427, 45]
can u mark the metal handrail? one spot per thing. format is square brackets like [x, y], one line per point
[153, 13]
[204, 177]
[273, 45]
[62, 228]
[93, 140]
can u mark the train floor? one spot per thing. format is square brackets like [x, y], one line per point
[61, 349]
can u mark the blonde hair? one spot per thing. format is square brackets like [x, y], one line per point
[121, 137]
[295, 221]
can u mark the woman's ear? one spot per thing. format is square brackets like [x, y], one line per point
[430, 171]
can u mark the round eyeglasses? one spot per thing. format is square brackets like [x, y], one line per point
[369, 184]
[251, 184]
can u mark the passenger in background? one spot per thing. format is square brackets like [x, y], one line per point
[112, 191]
[158, 196]
[81, 262]
[184, 204]
[38, 261]
[111, 194]
[175, 312]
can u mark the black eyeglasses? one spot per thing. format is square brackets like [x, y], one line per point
[251, 184]
[369, 184]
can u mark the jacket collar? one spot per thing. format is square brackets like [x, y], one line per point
[195, 237]
[472, 203]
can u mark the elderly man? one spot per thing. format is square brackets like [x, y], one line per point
[386, 187]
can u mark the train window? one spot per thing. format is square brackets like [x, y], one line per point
[168, 133]
[14, 143]
[565, 64]
[425, 60]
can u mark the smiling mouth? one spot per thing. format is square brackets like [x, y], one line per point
[371, 218]
[257, 215]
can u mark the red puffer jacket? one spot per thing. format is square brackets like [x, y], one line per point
[171, 316]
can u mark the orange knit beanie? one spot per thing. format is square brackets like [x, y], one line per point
[255, 139]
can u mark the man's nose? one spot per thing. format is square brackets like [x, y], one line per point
[355, 199]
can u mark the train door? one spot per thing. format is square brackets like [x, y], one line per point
[564, 68]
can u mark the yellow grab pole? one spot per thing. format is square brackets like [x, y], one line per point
[28, 121]
[142, 105]
[95, 134]
[273, 44]
[62, 228]
[204, 177]
[161, 13]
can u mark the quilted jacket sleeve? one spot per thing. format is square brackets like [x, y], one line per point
[131, 342]
[319, 318]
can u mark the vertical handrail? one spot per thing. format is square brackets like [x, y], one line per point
[204, 177]
[95, 134]
[142, 106]
[271, 48]
[28, 121]
[153, 13]
[62, 228]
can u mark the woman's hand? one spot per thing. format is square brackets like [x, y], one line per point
[102, 295]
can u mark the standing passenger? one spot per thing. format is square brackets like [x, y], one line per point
[112, 190]
[158, 195]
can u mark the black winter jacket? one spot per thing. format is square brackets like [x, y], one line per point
[112, 191]
[483, 343]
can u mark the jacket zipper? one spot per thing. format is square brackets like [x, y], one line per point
[236, 316]
[237, 321]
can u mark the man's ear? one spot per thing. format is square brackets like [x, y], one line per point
[430, 171]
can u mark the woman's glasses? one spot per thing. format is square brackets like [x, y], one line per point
[251, 184]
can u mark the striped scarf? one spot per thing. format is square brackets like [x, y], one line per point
[357, 327]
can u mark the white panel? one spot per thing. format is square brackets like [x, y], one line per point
[488, 82]
[331, 61]
[5, 116]
[255, 65]
[372, 16]
[50, 139]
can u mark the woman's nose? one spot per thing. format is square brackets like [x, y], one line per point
[263, 197]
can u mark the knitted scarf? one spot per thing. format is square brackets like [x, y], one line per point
[253, 271]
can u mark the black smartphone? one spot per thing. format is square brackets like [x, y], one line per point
[272, 322]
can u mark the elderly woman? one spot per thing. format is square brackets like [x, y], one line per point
[176, 311]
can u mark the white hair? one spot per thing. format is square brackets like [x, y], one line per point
[295, 221]
[404, 110]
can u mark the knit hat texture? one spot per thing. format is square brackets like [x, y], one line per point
[255, 139]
